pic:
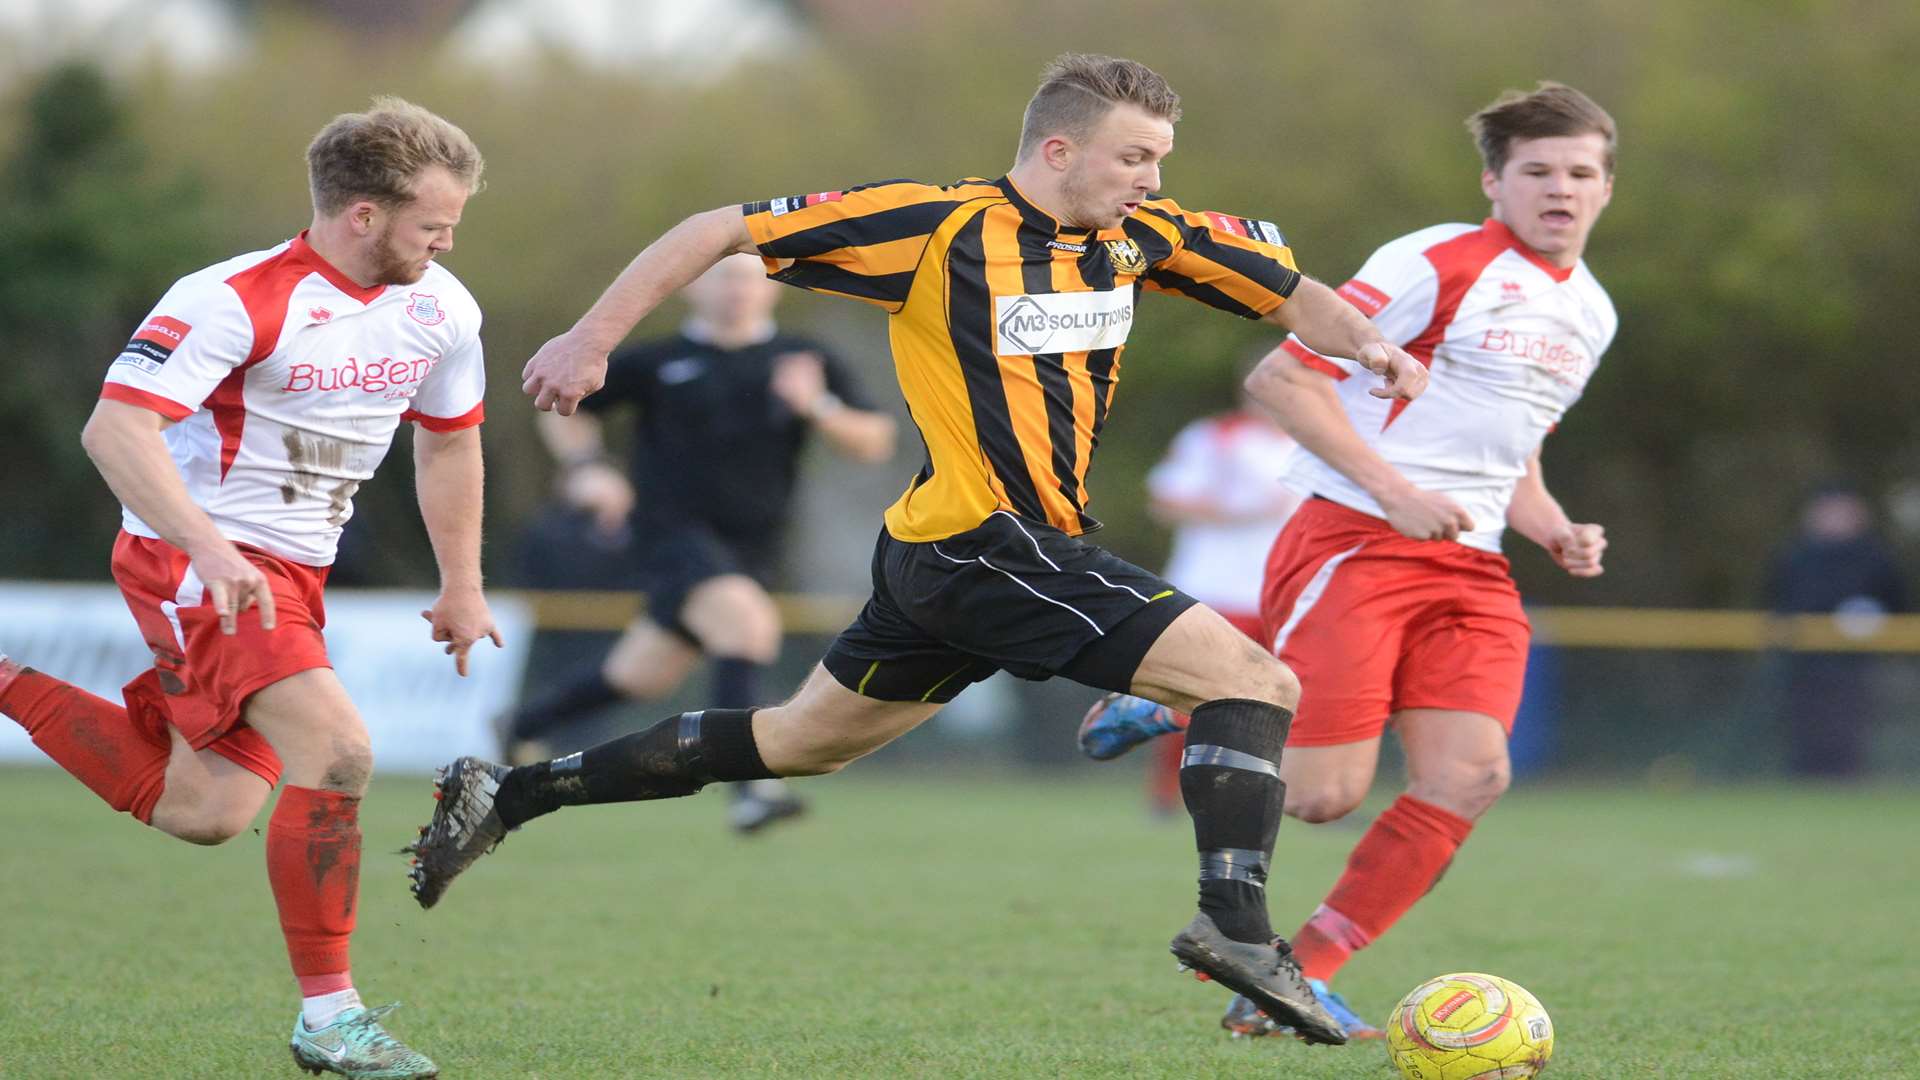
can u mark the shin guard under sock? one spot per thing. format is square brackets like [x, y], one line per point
[1230, 781]
[1399, 859]
[313, 864]
[677, 756]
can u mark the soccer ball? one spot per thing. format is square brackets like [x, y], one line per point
[1469, 1027]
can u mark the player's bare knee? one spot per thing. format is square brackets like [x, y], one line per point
[1318, 805]
[639, 681]
[1269, 680]
[203, 834]
[752, 633]
[1249, 672]
[350, 766]
[761, 644]
[1469, 790]
[230, 821]
[215, 822]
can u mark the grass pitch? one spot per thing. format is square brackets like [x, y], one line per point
[921, 925]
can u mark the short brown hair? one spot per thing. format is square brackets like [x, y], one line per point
[1550, 109]
[378, 154]
[1077, 89]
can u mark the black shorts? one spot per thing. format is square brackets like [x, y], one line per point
[1010, 594]
[672, 558]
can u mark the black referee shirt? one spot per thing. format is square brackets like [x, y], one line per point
[711, 440]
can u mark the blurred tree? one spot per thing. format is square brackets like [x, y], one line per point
[90, 237]
[1758, 246]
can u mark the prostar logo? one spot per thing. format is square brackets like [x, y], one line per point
[1511, 292]
[319, 314]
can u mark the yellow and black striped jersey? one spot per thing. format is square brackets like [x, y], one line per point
[1007, 326]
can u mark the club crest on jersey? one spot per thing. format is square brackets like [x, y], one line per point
[424, 308]
[1126, 257]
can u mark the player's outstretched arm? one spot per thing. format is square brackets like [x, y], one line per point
[1330, 326]
[125, 445]
[449, 477]
[573, 365]
[1535, 514]
[1305, 404]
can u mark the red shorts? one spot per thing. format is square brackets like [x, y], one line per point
[1247, 622]
[1373, 622]
[201, 678]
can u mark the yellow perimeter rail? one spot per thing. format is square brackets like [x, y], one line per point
[1568, 627]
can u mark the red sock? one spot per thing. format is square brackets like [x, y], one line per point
[313, 863]
[1393, 866]
[1163, 770]
[91, 737]
[331, 983]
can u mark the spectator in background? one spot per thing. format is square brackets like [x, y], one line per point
[1219, 489]
[725, 408]
[1836, 564]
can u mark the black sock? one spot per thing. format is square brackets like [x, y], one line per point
[1230, 779]
[677, 756]
[582, 688]
[736, 683]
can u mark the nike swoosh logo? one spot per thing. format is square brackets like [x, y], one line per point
[332, 1054]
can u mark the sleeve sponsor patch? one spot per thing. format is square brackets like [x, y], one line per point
[1369, 300]
[1264, 231]
[154, 343]
[789, 203]
[1224, 224]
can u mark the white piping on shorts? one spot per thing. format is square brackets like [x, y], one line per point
[1310, 596]
[1097, 576]
[983, 562]
[192, 589]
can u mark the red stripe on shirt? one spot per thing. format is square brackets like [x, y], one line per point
[1313, 359]
[264, 289]
[1512, 240]
[1459, 262]
[445, 424]
[166, 407]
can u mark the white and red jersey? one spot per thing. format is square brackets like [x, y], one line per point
[288, 381]
[1510, 339]
[1233, 464]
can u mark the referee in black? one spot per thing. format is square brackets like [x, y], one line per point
[722, 411]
